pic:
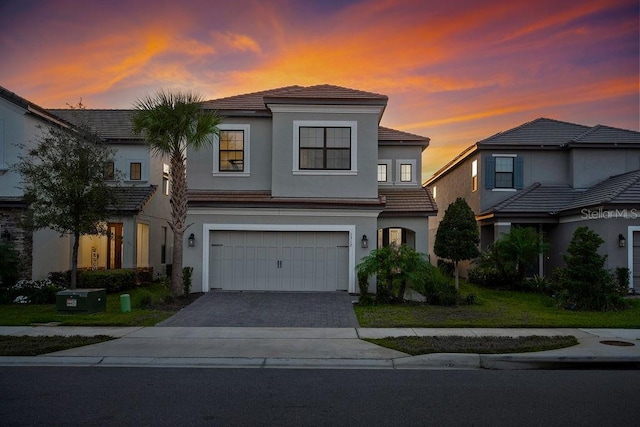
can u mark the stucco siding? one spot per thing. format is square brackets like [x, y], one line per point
[590, 166]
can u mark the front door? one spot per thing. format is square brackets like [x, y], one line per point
[114, 245]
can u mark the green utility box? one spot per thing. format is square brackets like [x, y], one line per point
[81, 301]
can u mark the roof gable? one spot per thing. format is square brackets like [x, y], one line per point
[30, 106]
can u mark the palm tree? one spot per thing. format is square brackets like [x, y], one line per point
[171, 122]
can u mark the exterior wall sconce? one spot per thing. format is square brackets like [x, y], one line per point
[364, 243]
[192, 240]
[622, 242]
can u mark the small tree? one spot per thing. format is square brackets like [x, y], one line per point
[457, 237]
[64, 184]
[587, 284]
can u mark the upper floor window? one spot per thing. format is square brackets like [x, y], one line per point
[474, 175]
[165, 179]
[435, 193]
[135, 171]
[503, 171]
[382, 173]
[406, 174]
[325, 148]
[231, 151]
[405, 171]
[109, 171]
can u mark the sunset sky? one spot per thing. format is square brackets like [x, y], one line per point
[456, 71]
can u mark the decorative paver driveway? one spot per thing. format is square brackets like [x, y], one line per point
[268, 309]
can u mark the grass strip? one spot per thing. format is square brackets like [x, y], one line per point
[479, 345]
[34, 346]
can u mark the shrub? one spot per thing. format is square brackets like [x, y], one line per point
[144, 299]
[446, 267]
[538, 284]
[111, 280]
[584, 283]
[623, 280]
[187, 272]
[363, 285]
[31, 292]
[437, 287]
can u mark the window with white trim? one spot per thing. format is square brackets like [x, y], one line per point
[382, 173]
[504, 172]
[324, 147]
[165, 179]
[406, 171]
[231, 150]
[434, 192]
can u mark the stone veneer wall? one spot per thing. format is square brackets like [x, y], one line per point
[11, 220]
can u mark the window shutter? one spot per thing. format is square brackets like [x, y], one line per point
[489, 171]
[517, 173]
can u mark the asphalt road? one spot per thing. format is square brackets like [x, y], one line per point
[287, 397]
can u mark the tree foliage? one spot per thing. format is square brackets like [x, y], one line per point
[170, 122]
[63, 183]
[395, 267]
[457, 237]
[585, 282]
[510, 258]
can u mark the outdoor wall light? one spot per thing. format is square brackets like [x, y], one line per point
[364, 243]
[622, 242]
[192, 240]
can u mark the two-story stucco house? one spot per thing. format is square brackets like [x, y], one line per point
[554, 176]
[301, 183]
[139, 233]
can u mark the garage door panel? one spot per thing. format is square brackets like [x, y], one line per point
[284, 261]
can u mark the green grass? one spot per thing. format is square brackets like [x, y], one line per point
[34, 346]
[480, 345]
[25, 314]
[496, 309]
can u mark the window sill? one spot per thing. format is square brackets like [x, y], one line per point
[134, 181]
[326, 172]
[504, 189]
[232, 174]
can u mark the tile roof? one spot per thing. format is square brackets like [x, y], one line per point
[399, 137]
[112, 125]
[607, 134]
[257, 101]
[621, 189]
[409, 201]
[538, 199]
[541, 131]
[133, 199]
[618, 189]
[264, 199]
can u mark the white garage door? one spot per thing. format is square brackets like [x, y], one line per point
[279, 261]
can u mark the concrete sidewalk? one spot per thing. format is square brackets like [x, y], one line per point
[315, 348]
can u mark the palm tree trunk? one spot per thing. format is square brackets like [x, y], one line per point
[179, 214]
[455, 266]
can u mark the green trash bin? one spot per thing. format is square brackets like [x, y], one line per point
[125, 303]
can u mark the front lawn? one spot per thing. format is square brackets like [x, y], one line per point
[141, 314]
[496, 309]
[35, 346]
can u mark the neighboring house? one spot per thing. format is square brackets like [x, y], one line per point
[139, 235]
[554, 176]
[301, 184]
[139, 232]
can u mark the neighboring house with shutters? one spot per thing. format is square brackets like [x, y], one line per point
[301, 184]
[554, 176]
[139, 236]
